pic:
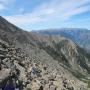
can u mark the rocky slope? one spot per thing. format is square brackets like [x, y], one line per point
[78, 35]
[59, 64]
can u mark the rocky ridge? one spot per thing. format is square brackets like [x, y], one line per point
[33, 62]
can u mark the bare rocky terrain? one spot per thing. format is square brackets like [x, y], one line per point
[30, 61]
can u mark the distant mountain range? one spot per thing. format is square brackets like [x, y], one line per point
[57, 60]
[78, 35]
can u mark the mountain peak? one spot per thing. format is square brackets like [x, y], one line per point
[3, 23]
[1, 17]
[2, 20]
[7, 26]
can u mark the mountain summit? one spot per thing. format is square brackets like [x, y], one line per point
[30, 61]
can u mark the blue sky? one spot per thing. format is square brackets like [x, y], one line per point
[43, 14]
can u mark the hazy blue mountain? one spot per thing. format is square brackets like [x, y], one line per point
[78, 35]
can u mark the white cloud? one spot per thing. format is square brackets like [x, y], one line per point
[23, 19]
[60, 10]
[4, 4]
[77, 11]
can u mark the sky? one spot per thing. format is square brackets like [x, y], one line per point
[45, 14]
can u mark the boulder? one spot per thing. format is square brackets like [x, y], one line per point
[4, 73]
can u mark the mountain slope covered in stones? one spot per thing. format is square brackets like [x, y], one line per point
[79, 35]
[60, 63]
